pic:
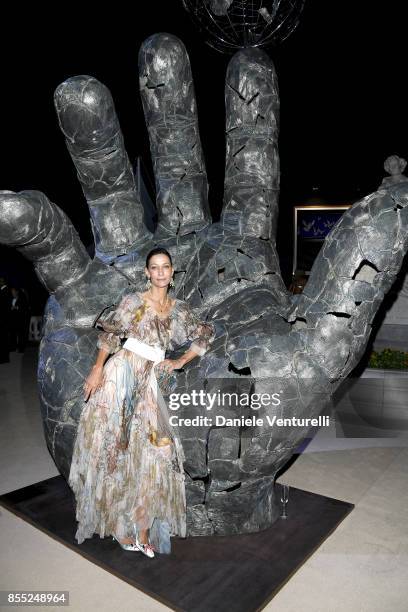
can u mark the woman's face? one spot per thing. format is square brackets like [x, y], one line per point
[160, 270]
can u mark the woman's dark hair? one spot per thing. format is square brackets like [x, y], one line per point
[157, 251]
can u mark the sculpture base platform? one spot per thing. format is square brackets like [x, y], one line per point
[235, 573]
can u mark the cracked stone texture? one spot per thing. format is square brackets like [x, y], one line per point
[267, 340]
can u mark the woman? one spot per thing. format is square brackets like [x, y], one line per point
[127, 464]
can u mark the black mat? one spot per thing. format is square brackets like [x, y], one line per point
[234, 574]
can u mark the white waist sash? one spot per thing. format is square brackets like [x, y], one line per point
[151, 353]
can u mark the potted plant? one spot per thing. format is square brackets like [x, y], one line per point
[376, 397]
[388, 359]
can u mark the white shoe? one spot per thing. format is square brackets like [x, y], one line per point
[131, 547]
[146, 549]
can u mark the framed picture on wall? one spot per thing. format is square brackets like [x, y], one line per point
[311, 226]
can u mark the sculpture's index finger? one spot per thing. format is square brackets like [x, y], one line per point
[88, 120]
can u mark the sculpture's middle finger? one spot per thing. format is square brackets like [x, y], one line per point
[167, 92]
[252, 159]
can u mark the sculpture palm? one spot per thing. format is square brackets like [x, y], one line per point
[228, 271]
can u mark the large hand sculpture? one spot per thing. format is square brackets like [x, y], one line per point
[228, 271]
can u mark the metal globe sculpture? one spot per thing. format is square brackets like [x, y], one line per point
[229, 25]
[266, 343]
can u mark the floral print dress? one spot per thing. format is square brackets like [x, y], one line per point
[123, 480]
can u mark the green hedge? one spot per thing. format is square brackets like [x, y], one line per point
[389, 359]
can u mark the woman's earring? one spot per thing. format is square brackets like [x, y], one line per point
[148, 283]
[171, 284]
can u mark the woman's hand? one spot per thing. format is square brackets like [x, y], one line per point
[168, 365]
[93, 382]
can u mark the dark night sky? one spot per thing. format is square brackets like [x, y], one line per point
[342, 77]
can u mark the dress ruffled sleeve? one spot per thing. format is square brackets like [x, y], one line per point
[115, 321]
[199, 332]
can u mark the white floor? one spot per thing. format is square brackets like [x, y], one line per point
[362, 566]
